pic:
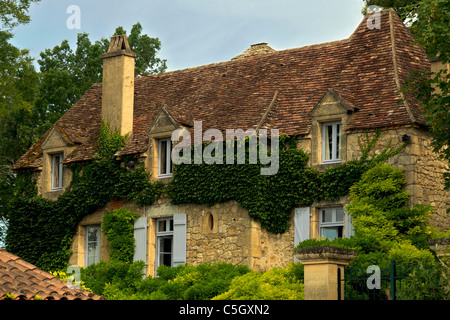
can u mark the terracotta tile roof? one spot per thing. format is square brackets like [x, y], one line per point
[25, 281]
[366, 70]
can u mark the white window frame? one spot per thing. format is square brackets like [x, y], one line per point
[162, 234]
[168, 158]
[86, 244]
[335, 156]
[333, 223]
[57, 157]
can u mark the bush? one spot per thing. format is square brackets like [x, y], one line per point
[385, 228]
[185, 282]
[275, 284]
[118, 273]
[426, 282]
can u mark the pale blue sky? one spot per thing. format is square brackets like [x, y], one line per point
[195, 32]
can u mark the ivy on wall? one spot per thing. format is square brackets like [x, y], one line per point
[269, 199]
[41, 230]
[118, 228]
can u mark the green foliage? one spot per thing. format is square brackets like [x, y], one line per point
[41, 230]
[124, 275]
[270, 198]
[275, 284]
[400, 6]
[62, 275]
[379, 208]
[184, 282]
[68, 73]
[118, 228]
[384, 227]
[109, 143]
[14, 12]
[426, 282]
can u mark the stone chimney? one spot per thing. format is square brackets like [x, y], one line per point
[118, 85]
[255, 50]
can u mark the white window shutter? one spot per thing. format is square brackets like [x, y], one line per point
[301, 225]
[179, 239]
[348, 226]
[140, 239]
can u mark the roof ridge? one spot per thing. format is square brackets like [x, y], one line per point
[395, 65]
[309, 46]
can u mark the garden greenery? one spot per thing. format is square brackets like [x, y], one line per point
[118, 228]
[118, 280]
[41, 230]
[384, 226]
[270, 198]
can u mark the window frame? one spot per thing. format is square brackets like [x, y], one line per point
[86, 244]
[60, 156]
[336, 149]
[165, 234]
[333, 223]
[168, 158]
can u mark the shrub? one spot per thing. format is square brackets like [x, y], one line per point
[385, 228]
[426, 282]
[121, 274]
[185, 282]
[275, 284]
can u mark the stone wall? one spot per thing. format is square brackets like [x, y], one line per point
[224, 232]
[233, 237]
[423, 169]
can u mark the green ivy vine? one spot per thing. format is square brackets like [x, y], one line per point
[269, 199]
[41, 230]
[118, 228]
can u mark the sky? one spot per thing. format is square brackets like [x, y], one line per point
[192, 32]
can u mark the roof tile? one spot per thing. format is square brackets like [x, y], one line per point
[365, 70]
[23, 280]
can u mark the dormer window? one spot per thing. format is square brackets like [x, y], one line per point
[331, 142]
[57, 171]
[164, 158]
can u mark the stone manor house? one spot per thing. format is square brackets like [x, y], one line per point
[326, 94]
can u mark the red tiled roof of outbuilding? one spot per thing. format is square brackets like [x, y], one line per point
[22, 280]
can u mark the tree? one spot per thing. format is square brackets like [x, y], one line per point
[14, 12]
[18, 89]
[67, 74]
[429, 22]
[431, 29]
[30, 102]
[400, 6]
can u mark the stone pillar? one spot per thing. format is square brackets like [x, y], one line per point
[321, 266]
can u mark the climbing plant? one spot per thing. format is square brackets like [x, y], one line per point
[270, 198]
[41, 230]
[118, 228]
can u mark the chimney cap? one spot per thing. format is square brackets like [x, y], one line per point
[119, 46]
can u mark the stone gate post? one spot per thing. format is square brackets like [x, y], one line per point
[321, 266]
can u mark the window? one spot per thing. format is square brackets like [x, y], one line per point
[164, 242]
[164, 158]
[331, 142]
[57, 171]
[331, 223]
[92, 244]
